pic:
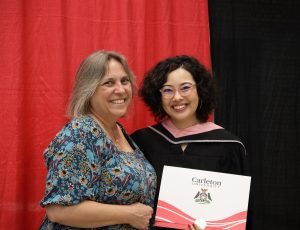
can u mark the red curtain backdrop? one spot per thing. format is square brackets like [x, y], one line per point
[42, 44]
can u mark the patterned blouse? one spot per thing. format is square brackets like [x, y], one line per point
[83, 164]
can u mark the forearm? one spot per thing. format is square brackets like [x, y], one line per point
[89, 214]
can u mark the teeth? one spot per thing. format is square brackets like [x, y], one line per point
[179, 106]
[120, 101]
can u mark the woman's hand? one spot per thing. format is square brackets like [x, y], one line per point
[194, 227]
[140, 215]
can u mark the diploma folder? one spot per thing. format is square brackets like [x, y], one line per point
[187, 195]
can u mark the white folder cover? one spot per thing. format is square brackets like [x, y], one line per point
[187, 195]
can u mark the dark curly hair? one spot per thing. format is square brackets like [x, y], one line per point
[157, 76]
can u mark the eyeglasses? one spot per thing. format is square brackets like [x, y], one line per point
[184, 90]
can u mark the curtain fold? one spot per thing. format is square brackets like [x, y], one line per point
[255, 57]
[42, 45]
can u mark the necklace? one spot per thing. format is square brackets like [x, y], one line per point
[115, 134]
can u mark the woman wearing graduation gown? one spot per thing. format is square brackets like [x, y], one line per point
[181, 94]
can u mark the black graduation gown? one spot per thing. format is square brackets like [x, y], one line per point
[217, 150]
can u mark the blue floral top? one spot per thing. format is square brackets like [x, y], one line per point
[83, 164]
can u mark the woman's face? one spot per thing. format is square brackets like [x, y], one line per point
[114, 93]
[182, 100]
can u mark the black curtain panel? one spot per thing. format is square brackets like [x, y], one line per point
[256, 61]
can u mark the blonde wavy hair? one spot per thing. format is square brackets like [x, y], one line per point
[90, 72]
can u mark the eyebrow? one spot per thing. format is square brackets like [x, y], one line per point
[111, 77]
[187, 82]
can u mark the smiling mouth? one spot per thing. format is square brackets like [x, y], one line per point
[179, 107]
[118, 102]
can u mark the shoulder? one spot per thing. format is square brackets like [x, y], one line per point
[140, 132]
[80, 126]
[79, 136]
[78, 130]
[224, 134]
[147, 131]
[84, 123]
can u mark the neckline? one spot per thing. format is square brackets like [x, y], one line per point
[194, 129]
[113, 134]
[110, 140]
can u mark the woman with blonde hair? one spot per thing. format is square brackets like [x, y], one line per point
[97, 177]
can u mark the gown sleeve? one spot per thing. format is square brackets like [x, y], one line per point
[73, 163]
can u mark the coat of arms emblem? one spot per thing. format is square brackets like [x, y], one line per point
[203, 197]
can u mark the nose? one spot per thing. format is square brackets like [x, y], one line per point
[177, 95]
[119, 88]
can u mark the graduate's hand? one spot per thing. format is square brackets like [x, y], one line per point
[194, 227]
